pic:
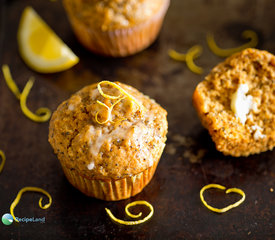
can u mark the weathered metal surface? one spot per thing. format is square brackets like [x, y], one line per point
[174, 190]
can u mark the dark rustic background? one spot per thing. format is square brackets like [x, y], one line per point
[174, 190]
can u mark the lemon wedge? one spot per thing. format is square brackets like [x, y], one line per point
[41, 49]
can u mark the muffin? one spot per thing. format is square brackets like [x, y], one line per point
[236, 103]
[109, 138]
[116, 28]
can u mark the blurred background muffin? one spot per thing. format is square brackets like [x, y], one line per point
[116, 27]
[110, 155]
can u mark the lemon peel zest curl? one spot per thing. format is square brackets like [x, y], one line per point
[193, 53]
[247, 34]
[3, 157]
[30, 189]
[11, 84]
[133, 215]
[176, 55]
[229, 190]
[108, 110]
[104, 94]
[122, 91]
[120, 97]
[42, 114]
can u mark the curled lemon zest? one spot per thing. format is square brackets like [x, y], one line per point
[122, 91]
[247, 34]
[176, 55]
[222, 210]
[31, 189]
[110, 109]
[133, 215]
[3, 157]
[104, 94]
[193, 53]
[120, 97]
[109, 113]
[42, 114]
[11, 84]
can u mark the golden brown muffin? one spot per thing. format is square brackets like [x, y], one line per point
[236, 103]
[112, 160]
[116, 27]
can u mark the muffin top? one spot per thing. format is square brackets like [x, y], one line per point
[114, 14]
[108, 130]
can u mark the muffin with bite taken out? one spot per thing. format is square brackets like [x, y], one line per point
[236, 103]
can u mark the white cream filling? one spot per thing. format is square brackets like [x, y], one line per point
[241, 103]
[258, 134]
[91, 166]
[71, 107]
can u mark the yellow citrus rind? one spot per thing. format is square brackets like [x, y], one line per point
[229, 190]
[30, 189]
[40, 48]
[123, 222]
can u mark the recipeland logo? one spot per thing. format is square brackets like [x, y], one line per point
[7, 219]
